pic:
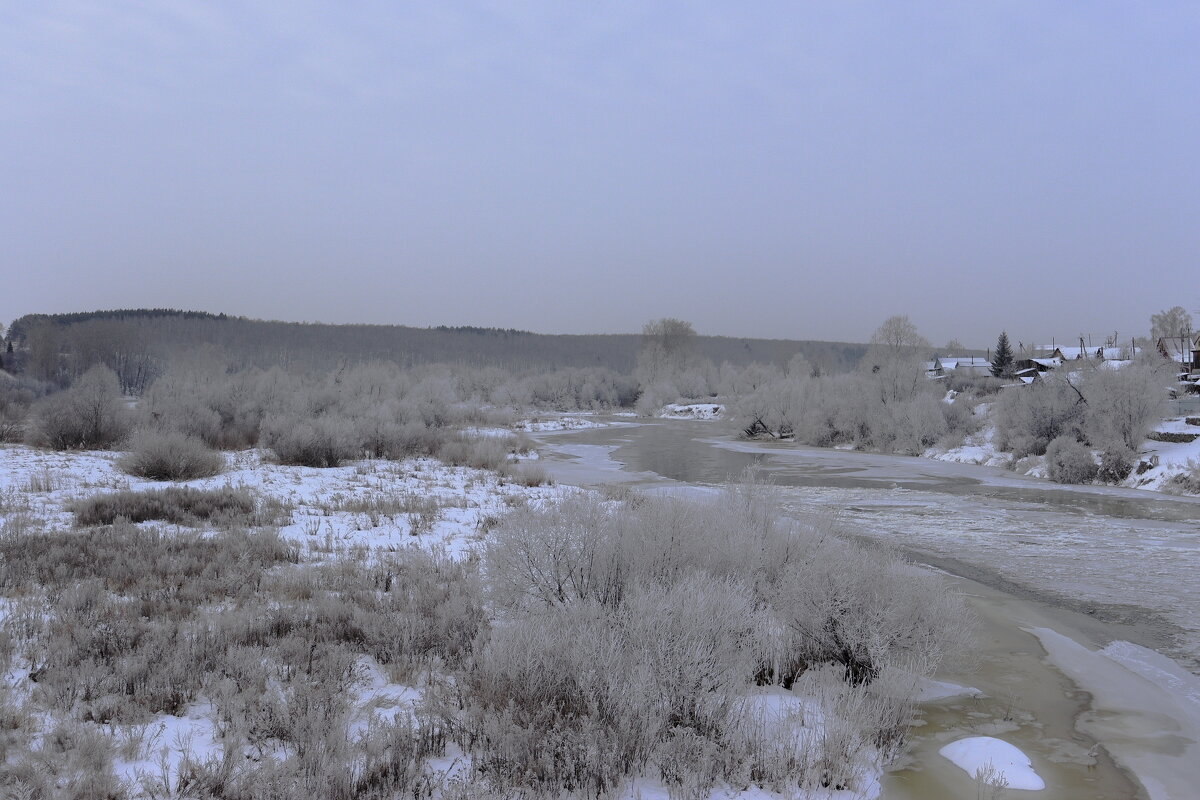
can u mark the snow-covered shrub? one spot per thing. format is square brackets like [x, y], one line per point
[1123, 405]
[17, 395]
[584, 695]
[1186, 482]
[1116, 462]
[526, 473]
[477, 452]
[316, 442]
[169, 456]
[654, 397]
[893, 410]
[963, 381]
[384, 437]
[917, 424]
[556, 555]
[179, 505]
[224, 410]
[960, 416]
[869, 612]
[90, 414]
[631, 624]
[1068, 461]
[1028, 418]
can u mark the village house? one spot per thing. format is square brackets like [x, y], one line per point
[1180, 351]
[941, 366]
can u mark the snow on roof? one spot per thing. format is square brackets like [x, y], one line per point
[1174, 348]
[958, 362]
[1051, 363]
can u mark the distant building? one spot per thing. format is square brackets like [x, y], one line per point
[966, 365]
[1180, 351]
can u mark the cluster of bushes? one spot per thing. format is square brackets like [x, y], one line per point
[634, 632]
[892, 410]
[90, 415]
[17, 396]
[121, 624]
[1068, 415]
[180, 426]
[895, 409]
[177, 505]
[169, 456]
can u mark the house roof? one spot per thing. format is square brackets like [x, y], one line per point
[1107, 353]
[957, 362]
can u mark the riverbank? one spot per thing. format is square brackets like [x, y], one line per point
[1011, 541]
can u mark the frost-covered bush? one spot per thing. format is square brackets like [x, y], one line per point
[17, 396]
[1109, 407]
[1068, 461]
[633, 629]
[169, 456]
[893, 410]
[858, 607]
[478, 452]
[180, 505]
[964, 381]
[654, 396]
[869, 612]
[1186, 482]
[90, 414]
[525, 473]
[1028, 418]
[317, 442]
[1123, 405]
[1116, 462]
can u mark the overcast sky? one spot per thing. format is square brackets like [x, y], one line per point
[791, 170]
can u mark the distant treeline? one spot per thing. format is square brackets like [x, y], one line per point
[140, 344]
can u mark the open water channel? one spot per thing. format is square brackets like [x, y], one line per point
[1054, 574]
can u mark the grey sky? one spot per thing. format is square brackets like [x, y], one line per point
[798, 170]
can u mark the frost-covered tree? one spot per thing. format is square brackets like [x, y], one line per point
[1170, 324]
[1123, 405]
[1002, 360]
[896, 338]
[895, 356]
[668, 347]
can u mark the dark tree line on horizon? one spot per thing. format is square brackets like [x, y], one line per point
[140, 344]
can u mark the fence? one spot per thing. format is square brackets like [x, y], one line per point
[1185, 406]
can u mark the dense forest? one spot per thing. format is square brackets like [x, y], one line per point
[140, 344]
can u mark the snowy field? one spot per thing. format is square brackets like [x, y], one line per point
[354, 513]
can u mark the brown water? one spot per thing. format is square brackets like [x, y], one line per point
[1094, 564]
[1026, 702]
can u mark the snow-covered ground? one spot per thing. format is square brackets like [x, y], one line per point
[1164, 459]
[556, 422]
[365, 506]
[995, 762]
[692, 411]
[336, 508]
